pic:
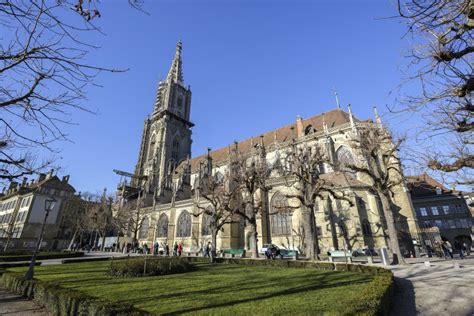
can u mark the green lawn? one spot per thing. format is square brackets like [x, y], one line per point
[216, 289]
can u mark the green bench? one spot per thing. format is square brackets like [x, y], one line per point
[289, 254]
[233, 252]
[350, 255]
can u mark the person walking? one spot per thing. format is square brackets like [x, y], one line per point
[175, 249]
[449, 248]
[207, 251]
[180, 249]
[167, 250]
[458, 247]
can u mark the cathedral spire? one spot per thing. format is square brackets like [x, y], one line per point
[378, 120]
[176, 72]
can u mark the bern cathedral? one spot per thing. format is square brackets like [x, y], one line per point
[166, 182]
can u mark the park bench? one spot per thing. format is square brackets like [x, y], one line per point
[293, 254]
[348, 255]
[233, 252]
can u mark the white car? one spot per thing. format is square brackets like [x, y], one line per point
[264, 248]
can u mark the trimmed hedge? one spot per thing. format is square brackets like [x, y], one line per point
[61, 301]
[90, 259]
[7, 265]
[40, 256]
[375, 297]
[138, 267]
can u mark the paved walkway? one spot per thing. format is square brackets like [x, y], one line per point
[440, 289]
[12, 304]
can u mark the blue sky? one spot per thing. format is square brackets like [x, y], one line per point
[252, 66]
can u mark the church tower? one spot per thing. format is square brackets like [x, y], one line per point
[166, 138]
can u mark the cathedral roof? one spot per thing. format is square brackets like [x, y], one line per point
[332, 118]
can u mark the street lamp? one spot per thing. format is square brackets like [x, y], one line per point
[49, 204]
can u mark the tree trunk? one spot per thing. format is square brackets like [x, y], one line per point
[117, 243]
[73, 239]
[392, 231]
[102, 247]
[5, 249]
[213, 253]
[254, 237]
[311, 235]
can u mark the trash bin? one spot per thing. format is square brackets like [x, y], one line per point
[384, 255]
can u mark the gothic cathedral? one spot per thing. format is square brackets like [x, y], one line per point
[167, 177]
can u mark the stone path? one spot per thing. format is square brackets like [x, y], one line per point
[15, 305]
[440, 289]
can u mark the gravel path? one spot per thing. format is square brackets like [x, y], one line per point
[12, 304]
[440, 289]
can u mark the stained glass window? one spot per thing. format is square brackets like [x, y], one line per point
[184, 225]
[162, 226]
[280, 215]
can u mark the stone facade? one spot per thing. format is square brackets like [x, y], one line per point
[168, 178]
[22, 211]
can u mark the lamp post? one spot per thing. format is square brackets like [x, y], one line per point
[49, 204]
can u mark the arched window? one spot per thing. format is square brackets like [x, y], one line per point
[280, 217]
[151, 148]
[206, 224]
[184, 225]
[180, 105]
[344, 158]
[144, 228]
[162, 226]
[175, 149]
[309, 130]
[366, 230]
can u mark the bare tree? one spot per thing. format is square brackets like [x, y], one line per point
[131, 215]
[382, 166]
[304, 175]
[45, 72]
[248, 175]
[214, 199]
[442, 65]
[75, 217]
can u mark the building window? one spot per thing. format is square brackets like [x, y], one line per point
[184, 225]
[434, 210]
[175, 150]
[344, 158]
[151, 148]
[451, 224]
[423, 211]
[309, 130]
[206, 224]
[281, 215]
[446, 209]
[162, 226]
[465, 223]
[439, 224]
[459, 208]
[144, 228]
[366, 230]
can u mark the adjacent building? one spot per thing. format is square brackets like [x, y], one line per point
[22, 212]
[439, 207]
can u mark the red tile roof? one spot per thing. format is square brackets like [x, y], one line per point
[332, 118]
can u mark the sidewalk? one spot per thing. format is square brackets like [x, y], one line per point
[439, 289]
[12, 304]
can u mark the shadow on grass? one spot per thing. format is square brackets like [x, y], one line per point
[288, 291]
